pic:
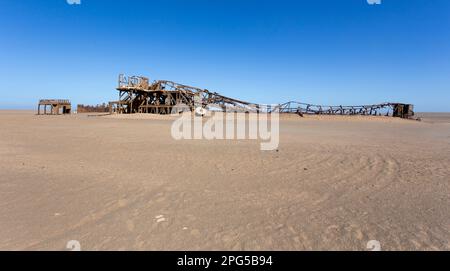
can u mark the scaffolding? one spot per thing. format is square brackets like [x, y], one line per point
[138, 95]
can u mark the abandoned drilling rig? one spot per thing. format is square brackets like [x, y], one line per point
[138, 95]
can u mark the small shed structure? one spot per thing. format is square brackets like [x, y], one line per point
[54, 107]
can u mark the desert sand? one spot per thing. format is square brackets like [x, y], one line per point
[123, 183]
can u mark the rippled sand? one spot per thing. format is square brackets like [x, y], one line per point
[123, 183]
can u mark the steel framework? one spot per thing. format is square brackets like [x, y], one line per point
[385, 109]
[138, 95]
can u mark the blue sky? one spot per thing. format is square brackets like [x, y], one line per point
[316, 51]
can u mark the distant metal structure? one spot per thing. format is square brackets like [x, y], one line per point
[386, 109]
[100, 108]
[138, 95]
[55, 107]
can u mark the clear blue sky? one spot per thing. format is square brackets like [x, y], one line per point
[316, 51]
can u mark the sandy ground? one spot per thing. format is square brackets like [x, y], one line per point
[123, 183]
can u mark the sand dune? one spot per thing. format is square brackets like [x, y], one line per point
[123, 183]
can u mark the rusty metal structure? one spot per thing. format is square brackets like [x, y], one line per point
[55, 107]
[138, 95]
[385, 109]
[100, 108]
